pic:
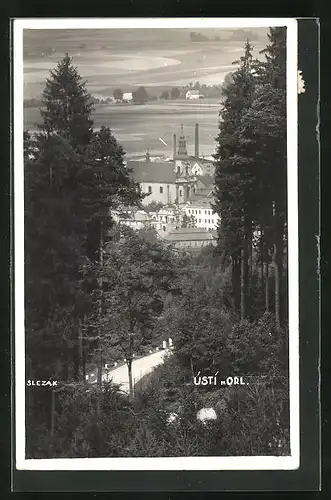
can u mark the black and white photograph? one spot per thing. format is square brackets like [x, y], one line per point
[156, 252]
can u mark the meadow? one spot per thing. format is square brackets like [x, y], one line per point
[129, 58]
[140, 127]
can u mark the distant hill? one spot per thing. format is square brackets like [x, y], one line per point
[243, 34]
[198, 37]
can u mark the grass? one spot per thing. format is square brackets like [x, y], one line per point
[139, 128]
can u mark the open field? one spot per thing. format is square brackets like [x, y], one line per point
[128, 58]
[138, 128]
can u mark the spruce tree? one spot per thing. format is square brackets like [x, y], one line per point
[66, 104]
[104, 184]
[53, 256]
[265, 125]
[234, 176]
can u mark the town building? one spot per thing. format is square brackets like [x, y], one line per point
[167, 218]
[194, 94]
[127, 97]
[203, 213]
[195, 164]
[176, 181]
[188, 238]
[136, 219]
[166, 182]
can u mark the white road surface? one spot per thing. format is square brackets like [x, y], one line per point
[140, 368]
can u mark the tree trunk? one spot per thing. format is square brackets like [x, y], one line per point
[80, 349]
[244, 267]
[242, 285]
[267, 287]
[100, 306]
[84, 367]
[76, 362]
[236, 281]
[278, 262]
[52, 415]
[129, 364]
[277, 287]
[262, 262]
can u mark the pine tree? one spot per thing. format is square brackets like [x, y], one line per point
[53, 256]
[66, 105]
[234, 176]
[265, 125]
[104, 184]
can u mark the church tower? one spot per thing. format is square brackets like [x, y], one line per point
[182, 151]
[185, 181]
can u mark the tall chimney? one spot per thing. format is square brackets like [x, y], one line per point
[196, 140]
[175, 146]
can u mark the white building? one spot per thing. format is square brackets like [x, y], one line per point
[194, 94]
[163, 182]
[203, 213]
[136, 219]
[195, 164]
[203, 167]
[127, 97]
[167, 219]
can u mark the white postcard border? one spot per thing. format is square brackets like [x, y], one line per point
[160, 463]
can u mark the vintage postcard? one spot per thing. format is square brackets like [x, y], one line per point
[156, 244]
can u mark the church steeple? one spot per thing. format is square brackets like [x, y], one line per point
[182, 151]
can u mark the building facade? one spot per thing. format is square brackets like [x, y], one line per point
[203, 213]
[127, 97]
[176, 181]
[193, 94]
[188, 239]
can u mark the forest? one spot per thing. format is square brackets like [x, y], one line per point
[95, 291]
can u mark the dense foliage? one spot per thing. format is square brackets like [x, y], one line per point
[97, 292]
[250, 180]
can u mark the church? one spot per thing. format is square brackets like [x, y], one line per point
[172, 182]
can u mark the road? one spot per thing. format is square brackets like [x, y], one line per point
[140, 368]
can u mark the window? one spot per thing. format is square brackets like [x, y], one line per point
[178, 170]
[186, 169]
[180, 193]
[149, 189]
[199, 220]
[199, 211]
[161, 189]
[189, 211]
[205, 212]
[164, 228]
[205, 221]
[208, 221]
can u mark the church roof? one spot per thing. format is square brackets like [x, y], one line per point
[207, 181]
[201, 194]
[152, 171]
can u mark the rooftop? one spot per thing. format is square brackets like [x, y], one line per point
[189, 234]
[200, 202]
[207, 181]
[201, 194]
[152, 171]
